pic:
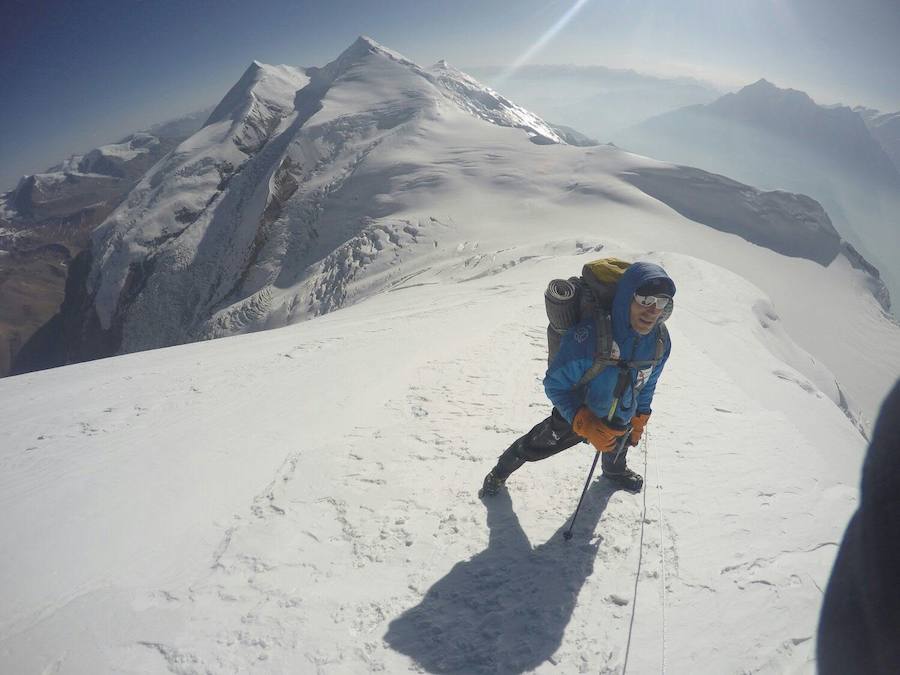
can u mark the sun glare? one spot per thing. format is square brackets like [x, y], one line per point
[543, 40]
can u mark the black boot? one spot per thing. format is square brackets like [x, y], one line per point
[509, 461]
[628, 479]
[616, 470]
[547, 438]
[491, 486]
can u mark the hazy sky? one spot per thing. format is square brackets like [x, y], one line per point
[74, 75]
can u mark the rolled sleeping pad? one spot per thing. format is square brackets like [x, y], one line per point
[554, 340]
[561, 302]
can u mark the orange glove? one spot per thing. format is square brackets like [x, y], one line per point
[638, 422]
[603, 437]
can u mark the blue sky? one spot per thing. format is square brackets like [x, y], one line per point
[74, 75]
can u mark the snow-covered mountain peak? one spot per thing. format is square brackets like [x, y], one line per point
[366, 44]
[485, 103]
[272, 87]
[356, 55]
[103, 160]
[443, 67]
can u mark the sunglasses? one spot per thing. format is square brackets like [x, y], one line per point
[660, 301]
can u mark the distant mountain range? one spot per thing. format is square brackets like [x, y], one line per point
[46, 220]
[309, 188]
[780, 139]
[598, 101]
[838, 136]
[885, 127]
[82, 184]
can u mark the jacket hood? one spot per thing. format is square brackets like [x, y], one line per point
[635, 276]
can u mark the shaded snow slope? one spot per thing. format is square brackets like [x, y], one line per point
[790, 224]
[304, 498]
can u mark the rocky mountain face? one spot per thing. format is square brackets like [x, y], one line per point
[48, 217]
[308, 189]
[885, 127]
[837, 133]
[780, 139]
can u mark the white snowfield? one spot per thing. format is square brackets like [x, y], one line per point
[303, 499]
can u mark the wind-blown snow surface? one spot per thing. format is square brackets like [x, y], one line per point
[304, 499]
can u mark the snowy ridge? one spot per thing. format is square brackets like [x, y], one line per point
[175, 197]
[257, 103]
[137, 144]
[58, 195]
[491, 106]
[282, 543]
[791, 224]
[98, 178]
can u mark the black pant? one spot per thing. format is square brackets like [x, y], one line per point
[547, 438]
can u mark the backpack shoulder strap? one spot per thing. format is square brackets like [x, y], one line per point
[662, 342]
[603, 357]
[604, 350]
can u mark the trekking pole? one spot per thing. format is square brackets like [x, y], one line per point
[617, 393]
[568, 533]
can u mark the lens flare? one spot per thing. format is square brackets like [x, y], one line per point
[543, 40]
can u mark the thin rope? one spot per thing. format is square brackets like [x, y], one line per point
[637, 576]
[662, 557]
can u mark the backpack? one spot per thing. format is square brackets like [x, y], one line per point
[568, 301]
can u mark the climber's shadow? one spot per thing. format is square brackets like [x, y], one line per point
[505, 610]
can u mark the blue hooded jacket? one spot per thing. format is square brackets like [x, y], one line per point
[578, 349]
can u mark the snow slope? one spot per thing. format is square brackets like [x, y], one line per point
[303, 499]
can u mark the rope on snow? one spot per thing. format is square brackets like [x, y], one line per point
[637, 576]
[662, 558]
[662, 554]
